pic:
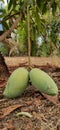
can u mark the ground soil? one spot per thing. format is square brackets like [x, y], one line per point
[45, 113]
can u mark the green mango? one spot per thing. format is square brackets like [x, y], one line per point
[17, 83]
[43, 82]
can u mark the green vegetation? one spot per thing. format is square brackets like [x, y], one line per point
[44, 22]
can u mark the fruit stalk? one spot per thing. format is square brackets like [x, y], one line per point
[29, 41]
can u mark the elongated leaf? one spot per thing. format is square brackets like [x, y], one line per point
[44, 8]
[1, 15]
[1, 0]
[53, 99]
[7, 16]
[54, 7]
[10, 4]
[8, 110]
[39, 2]
[14, 4]
[5, 25]
[2, 10]
[40, 23]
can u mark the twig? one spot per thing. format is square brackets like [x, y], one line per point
[24, 114]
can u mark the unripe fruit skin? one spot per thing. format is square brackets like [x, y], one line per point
[43, 82]
[17, 83]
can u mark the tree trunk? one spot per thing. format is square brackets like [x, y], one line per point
[4, 72]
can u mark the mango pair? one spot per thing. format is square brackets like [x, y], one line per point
[19, 79]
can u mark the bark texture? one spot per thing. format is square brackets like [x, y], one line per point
[4, 72]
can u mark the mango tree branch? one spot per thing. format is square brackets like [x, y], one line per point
[5, 34]
[9, 16]
[12, 44]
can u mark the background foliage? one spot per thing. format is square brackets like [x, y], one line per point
[44, 24]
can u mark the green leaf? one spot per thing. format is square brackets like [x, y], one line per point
[1, 0]
[5, 25]
[44, 8]
[28, 2]
[10, 4]
[1, 15]
[39, 2]
[54, 7]
[14, 4]
[2, 10]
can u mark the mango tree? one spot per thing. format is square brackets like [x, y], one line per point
[29, 11]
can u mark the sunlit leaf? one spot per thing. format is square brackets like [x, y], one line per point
[1, 0]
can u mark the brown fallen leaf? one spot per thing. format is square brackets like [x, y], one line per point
[6, 111]
[9, 125]
[53, 99]
[29, 126]
[37, 101]
[25, 109]
[2, 84]
[37, 128]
